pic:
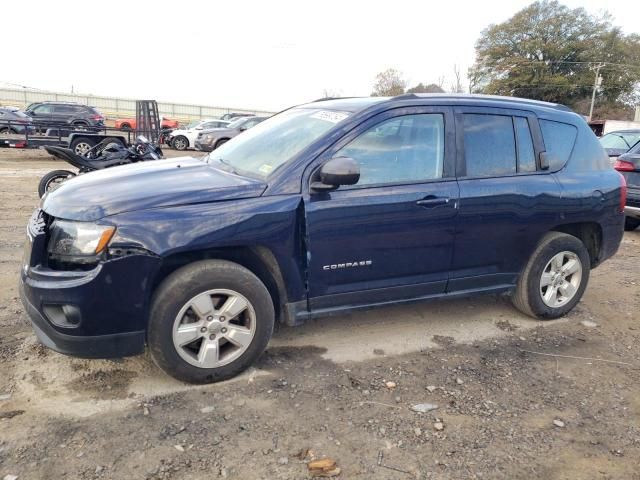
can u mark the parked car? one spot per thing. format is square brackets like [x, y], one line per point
[211, 139]
[131, 124]
[14, 121]
[617, 143]
[628, 164]
[233, 115]
[56, 114]
[183, 139]
[322, 209]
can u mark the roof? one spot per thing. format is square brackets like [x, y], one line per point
[353, 104]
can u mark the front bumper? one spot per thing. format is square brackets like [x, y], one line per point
[98, 346]
[96, 313]
[203, 147]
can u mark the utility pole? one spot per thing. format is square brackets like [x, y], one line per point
[596, 84]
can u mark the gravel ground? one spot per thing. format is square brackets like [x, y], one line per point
[498, 395]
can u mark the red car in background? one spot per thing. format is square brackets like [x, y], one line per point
[130, 123]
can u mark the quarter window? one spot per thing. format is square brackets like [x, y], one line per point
[558, 142]
[489, 145]
[399, 150]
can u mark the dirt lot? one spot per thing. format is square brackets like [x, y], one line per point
[569, 411]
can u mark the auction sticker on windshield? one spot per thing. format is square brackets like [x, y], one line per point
[329, 116]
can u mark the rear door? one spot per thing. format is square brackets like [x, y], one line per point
[390, 236]
[507, 202]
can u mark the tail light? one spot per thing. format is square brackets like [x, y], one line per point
[623, 192]
[624, 166]
[97, 117]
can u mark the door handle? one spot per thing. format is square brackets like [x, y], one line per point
[430, 202]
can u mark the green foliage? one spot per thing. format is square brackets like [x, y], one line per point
[548, 51]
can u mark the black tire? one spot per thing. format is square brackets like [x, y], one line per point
[180, 142]
[7, 131]
[527, 297]
[222, 141]
[52, 178]
[183, 285]
[631, 224]
[125, 126]
[79, 143]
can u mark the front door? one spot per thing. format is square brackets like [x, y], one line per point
[390, 236]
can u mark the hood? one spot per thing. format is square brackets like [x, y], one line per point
[220, 131]
[152, 184]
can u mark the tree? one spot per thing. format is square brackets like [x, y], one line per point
[548, 51]
[389, 83]
[430, 88]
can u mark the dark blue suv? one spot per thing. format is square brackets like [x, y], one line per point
[324, 208]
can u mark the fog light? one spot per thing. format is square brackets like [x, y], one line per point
[65, 316]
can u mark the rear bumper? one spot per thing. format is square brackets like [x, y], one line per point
[633, 212]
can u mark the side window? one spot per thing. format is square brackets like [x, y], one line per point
[42, 109]
[489, 145]
[526, 154]
[559, 139]
[63, 109]
[402, 149]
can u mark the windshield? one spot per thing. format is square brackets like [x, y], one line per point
[193, 124]
[260, 150]
[620, 140]
[236, 122]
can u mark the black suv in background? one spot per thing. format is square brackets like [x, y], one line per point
[52, 114]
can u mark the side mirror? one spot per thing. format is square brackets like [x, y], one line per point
[337, 171]
[544, 161]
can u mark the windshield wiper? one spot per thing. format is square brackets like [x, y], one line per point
[231, 167]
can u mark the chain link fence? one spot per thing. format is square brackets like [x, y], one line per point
[117, 107]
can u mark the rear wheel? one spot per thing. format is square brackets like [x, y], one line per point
[125, 126]
[209, 321]
[180, 142]
[52, 180]
[631, 224]
[555, 277]
[7, 131]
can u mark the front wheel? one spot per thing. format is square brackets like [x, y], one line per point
[555, 277]
[209, 321]
[52, 180]
[180, 143]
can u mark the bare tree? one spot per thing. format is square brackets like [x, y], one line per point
[456, 86]
[389, 83]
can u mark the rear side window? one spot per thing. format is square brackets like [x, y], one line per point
[489, 145]
[559, 139]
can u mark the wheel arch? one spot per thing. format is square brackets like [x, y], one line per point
[257, 259]
[589, 233]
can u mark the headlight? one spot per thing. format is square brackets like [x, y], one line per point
[208, 138]
[78, 239]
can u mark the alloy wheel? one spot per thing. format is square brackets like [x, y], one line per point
[560, 279]
[214, 328]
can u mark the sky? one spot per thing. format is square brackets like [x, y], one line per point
[265, 55]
